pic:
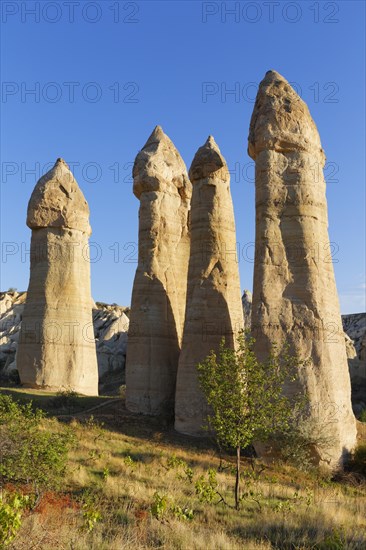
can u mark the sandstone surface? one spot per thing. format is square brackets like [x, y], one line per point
[214, 306]
[56, 348]
[111, 351]
[111, 326]
[294, 296]
[162, 185]
[354, 325]
[247, 300]
[110, 330]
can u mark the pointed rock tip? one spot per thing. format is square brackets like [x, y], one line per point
[61, 162]
[272, 76]
[281, 120]
[158, 131]
[57, 201]
[207, 160]
[210, 144]
[157, 163]
[156, 135]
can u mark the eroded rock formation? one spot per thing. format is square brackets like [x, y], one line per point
[110, 330]
[246, 300]
[214, 307]
[294, 297]
[162, 185]
[354, 325]
[56, 348]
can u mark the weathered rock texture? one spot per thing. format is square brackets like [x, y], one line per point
[246, 301]
[110, 330]
[214, 306]
[11, 312]
[162, 185]
[294, 297]
[354, 325]
[57, 348]
[111, 324]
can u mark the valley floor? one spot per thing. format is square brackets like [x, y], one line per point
[134, 483]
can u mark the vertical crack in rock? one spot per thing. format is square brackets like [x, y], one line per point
[162, 185]
[294, 296]
[56, 348]
[214, 306]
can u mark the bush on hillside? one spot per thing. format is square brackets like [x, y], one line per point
[30, 452]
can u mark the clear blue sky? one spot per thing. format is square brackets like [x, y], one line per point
[105, 73]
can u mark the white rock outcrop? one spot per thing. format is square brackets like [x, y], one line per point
[111, 326]
[247, 300]
[354, 325]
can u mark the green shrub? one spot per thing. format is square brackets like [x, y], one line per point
[333, 541]
[206, 490]
[105, 473]
[29, 452]
[129, 461]
[358, 459]
[159, 506]
[363, 416]
[188, 474]
[175, 462]
[246, 396]
[185, 514]
[66, 400]
[302, 442]
[11, 509]
[91, 517]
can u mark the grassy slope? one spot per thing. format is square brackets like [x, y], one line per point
[116, 470]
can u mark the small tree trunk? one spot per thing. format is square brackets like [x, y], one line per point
[237, 481]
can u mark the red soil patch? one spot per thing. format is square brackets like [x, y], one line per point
[141, 514]
[56, 502]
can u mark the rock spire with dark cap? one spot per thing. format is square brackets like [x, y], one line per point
[162, 185]
[295, 297]
[57, 349]
[214, 305]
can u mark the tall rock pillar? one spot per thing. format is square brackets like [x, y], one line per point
[56, 347]
[162, 185]
[295, 297]
[214, 308]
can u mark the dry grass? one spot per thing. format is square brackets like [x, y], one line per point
[115, 471]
